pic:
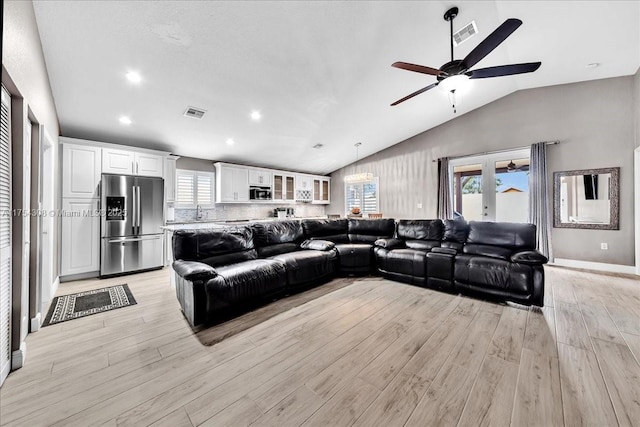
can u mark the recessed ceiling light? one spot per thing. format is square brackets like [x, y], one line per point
[230, 141]
[134, 77]
[255, 115]
[593, 65]
[125, 120]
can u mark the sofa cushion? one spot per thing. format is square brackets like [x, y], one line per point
[390, 243]
[282, 248]
[423, 245]
[334, 230]
[408, 262]
[318, 245]
[220, 246]
[370, 230]
[493, 273]
[456, 230]
[505, 234]
[488, 251]
[277, 232]
[420, 229]
[307, 265]
[245, 280]
[355, 255]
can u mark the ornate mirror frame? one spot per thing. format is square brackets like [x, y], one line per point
[614, 199]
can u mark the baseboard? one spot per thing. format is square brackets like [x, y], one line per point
[36, 322]
[18, 357]
[79, 276]
[599, 266]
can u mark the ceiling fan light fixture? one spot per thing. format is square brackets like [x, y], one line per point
[458, 83]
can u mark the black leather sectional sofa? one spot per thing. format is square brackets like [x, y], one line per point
[216, 269]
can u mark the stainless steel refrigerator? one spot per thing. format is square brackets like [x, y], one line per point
[132, 214]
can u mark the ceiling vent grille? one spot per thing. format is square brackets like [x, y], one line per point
[317, 146]
[194, 113]
[465, 33]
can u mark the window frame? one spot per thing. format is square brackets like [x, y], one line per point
[347, 208]
[196, 202]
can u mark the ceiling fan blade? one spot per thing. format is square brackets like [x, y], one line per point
[491, 42]
[418, 92]
[504, 70]
[416, 68]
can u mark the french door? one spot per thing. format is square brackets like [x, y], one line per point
[491, 187]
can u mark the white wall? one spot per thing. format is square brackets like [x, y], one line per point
[595, 121]
[24, 74]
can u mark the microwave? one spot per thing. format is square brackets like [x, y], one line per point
[259, 193]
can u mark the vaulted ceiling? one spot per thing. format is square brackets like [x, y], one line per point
[318, 72]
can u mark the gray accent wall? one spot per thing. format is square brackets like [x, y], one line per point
[596, 123]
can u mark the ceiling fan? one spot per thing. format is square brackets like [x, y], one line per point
[456, 70]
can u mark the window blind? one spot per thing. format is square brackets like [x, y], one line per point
[194, 188]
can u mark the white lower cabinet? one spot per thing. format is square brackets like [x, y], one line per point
[80, 251]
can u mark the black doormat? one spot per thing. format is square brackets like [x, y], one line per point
[82, 304]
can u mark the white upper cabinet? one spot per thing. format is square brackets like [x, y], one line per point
[321, 189]
[260, 178]
[80, 171]
[170, 178]
[131, 163]
[232, 184]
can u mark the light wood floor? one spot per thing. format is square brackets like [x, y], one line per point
[371, 352]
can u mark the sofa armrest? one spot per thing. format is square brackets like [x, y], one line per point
[317, 245]
[529, 257]
[441, 250]
[194, 270]
[390, 243]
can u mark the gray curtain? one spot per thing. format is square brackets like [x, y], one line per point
[539, 212]
[445, 211]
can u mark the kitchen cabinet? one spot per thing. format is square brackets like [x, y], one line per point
[170, 178]
[232, 184]
[283, 187]
[81, 169]
[131, 163]
[260, 178]
[321, 192]
[80, 249]
[304, 188]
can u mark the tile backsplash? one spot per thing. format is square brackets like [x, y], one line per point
[248, 211]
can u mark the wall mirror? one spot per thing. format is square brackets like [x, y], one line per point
[587, 199]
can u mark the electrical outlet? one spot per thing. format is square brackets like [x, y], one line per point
[604, 246]
[419, 205]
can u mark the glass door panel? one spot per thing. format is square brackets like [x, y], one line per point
[512, 190]
[467, 190]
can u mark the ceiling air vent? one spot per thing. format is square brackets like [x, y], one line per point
[318, 146]
[465, 33]
[194, 113]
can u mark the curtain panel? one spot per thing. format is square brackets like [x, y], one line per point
[539, 210]
[445, 210]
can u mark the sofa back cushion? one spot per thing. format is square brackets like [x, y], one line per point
[421, 233]
[334, 230]
[277, 232]
[370, 230]
[513, 236]
[220, 246]
[456, 230]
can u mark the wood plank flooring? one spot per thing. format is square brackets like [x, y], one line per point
[367, 352]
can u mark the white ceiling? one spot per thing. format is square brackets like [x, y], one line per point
[319, 72]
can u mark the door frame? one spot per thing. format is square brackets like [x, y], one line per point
[488, 172]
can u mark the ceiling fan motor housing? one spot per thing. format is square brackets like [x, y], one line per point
[451, 68]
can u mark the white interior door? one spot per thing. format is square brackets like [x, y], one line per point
[47, 222]
[5, 238]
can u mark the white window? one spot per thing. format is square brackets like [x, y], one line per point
[363, 195]
[194, 188]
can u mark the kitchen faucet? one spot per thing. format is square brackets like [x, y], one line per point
[198, 212]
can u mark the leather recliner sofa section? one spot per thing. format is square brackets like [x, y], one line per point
[353, 238]
[220, 268]
[500, 259]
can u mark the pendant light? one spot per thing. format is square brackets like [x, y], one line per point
[358, 177]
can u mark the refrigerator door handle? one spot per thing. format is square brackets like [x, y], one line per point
[138, 209]
[135, 239]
